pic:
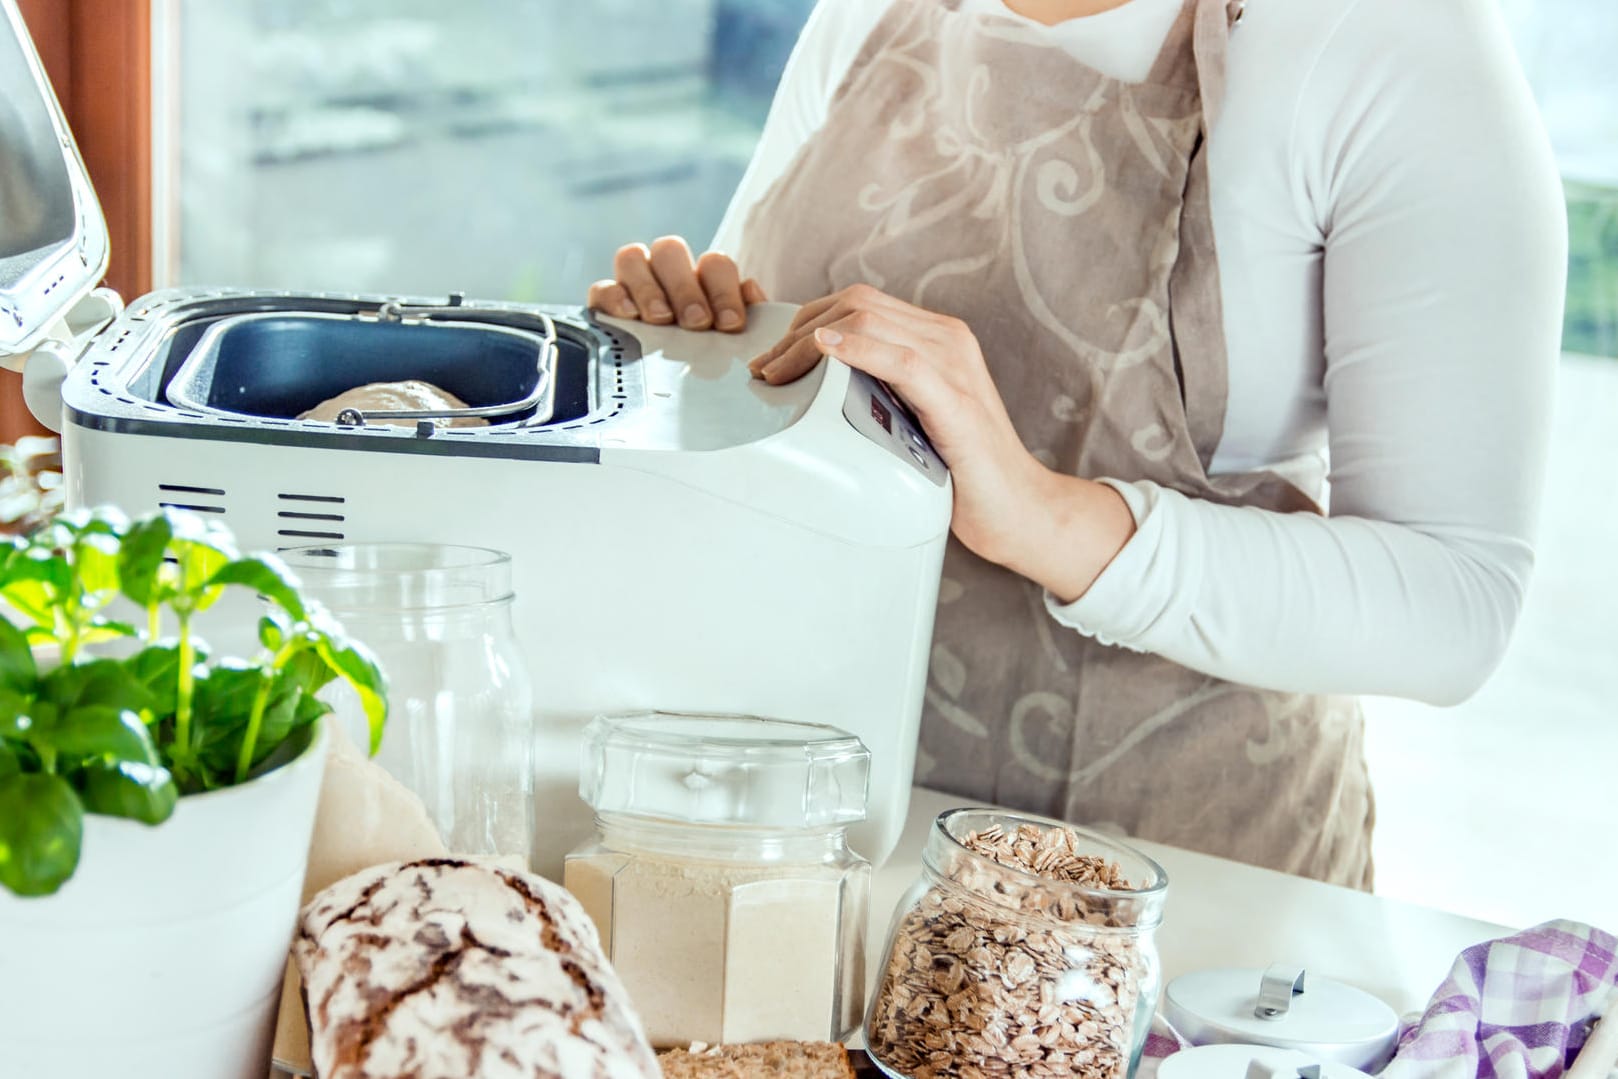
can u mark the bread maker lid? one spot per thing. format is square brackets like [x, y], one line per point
[53, 239]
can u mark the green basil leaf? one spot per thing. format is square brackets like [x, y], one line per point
[100, 732]
[104, 682]
[309, 671]
[95, 565]
[143, 792]
[355, 665]
[140, 559]
[266, 575]
[16, 715]
[9, 764]
[272, 631]
[309, 709]
[157, 668]
[41, 830]
[279, 720]
[223, 699]
[203, 548]
[33, 583]
[17, 670]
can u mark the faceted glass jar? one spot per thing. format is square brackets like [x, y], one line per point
[460, 726]
[993, 970]
[720, 877]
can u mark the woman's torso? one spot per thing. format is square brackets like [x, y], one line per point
[1266, 226]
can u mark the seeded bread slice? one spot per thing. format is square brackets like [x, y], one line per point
[445, 968]
[786, 1060]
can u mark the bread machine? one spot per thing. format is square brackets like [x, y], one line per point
[684, 536]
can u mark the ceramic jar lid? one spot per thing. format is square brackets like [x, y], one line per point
[1285, 1008]
[1251, 1062]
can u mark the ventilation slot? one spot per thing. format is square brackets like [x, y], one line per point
[181, 496]
[311, 517]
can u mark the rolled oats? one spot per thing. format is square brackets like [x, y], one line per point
[1012, 974]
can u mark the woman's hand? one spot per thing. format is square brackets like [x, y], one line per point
[663, 284]
[1059, 531]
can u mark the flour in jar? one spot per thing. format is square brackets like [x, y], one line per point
[724, 952]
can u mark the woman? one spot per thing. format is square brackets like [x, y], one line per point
[1142, 272]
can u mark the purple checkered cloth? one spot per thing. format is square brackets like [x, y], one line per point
[1517, 1008]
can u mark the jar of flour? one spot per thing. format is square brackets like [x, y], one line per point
[720, 876]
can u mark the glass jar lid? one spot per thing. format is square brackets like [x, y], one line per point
[743, 771]
[1284, 1007]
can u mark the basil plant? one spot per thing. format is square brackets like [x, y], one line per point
[127, 737]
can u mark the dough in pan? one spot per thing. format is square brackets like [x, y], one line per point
[413, 395]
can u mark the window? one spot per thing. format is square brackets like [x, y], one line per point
[499, 148]
[1566, 49]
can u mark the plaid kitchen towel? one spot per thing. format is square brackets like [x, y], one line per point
[1517, 1008]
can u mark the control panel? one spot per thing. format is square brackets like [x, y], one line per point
[877, 413]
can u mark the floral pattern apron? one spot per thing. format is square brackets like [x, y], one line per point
[970, 166]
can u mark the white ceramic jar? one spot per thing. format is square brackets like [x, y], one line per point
[162, 957]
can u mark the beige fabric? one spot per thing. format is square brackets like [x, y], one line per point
[970, 167]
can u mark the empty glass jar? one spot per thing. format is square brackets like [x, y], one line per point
[1026, 948]
[720, 876]
[460, 728]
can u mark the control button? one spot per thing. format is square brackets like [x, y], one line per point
[880, 413]
[921, 458]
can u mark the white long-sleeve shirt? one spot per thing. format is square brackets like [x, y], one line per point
[1392, 248]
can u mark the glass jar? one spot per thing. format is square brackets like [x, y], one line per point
[720, 876]
[1020, 961]
[460, 726]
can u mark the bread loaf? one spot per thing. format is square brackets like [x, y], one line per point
[774, 1060]
[445, 968]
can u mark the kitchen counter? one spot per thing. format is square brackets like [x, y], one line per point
[1221, 913]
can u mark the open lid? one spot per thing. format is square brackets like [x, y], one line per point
[53, 239]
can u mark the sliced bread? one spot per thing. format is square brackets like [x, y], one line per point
[787, 1060]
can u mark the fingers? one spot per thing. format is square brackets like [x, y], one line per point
[753, 292]
[677, 273]
[721, 282]
[632, 266]
[868, 307]
[856, 297]
[794, 337]
[797, 360]
[899, 365]
[613, 298]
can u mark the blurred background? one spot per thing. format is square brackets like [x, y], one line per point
[505, 147]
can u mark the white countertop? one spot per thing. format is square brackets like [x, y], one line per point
[1223, 914]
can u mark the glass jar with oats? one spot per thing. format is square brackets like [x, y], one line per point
[1026, 948]
[720, 877]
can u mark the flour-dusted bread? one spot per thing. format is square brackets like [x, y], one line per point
[769, 1060]
[445, 968]
[412, 395]
[366, 818]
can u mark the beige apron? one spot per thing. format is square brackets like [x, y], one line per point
[970, 166]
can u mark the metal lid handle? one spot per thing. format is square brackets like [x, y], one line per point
[1281, 982]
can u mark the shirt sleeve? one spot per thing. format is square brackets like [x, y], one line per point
[1444, 238]
[831, 39]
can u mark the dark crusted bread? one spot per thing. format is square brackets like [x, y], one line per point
[446, 968]
[786, 1060]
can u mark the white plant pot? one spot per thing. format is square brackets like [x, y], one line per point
[162, 957]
